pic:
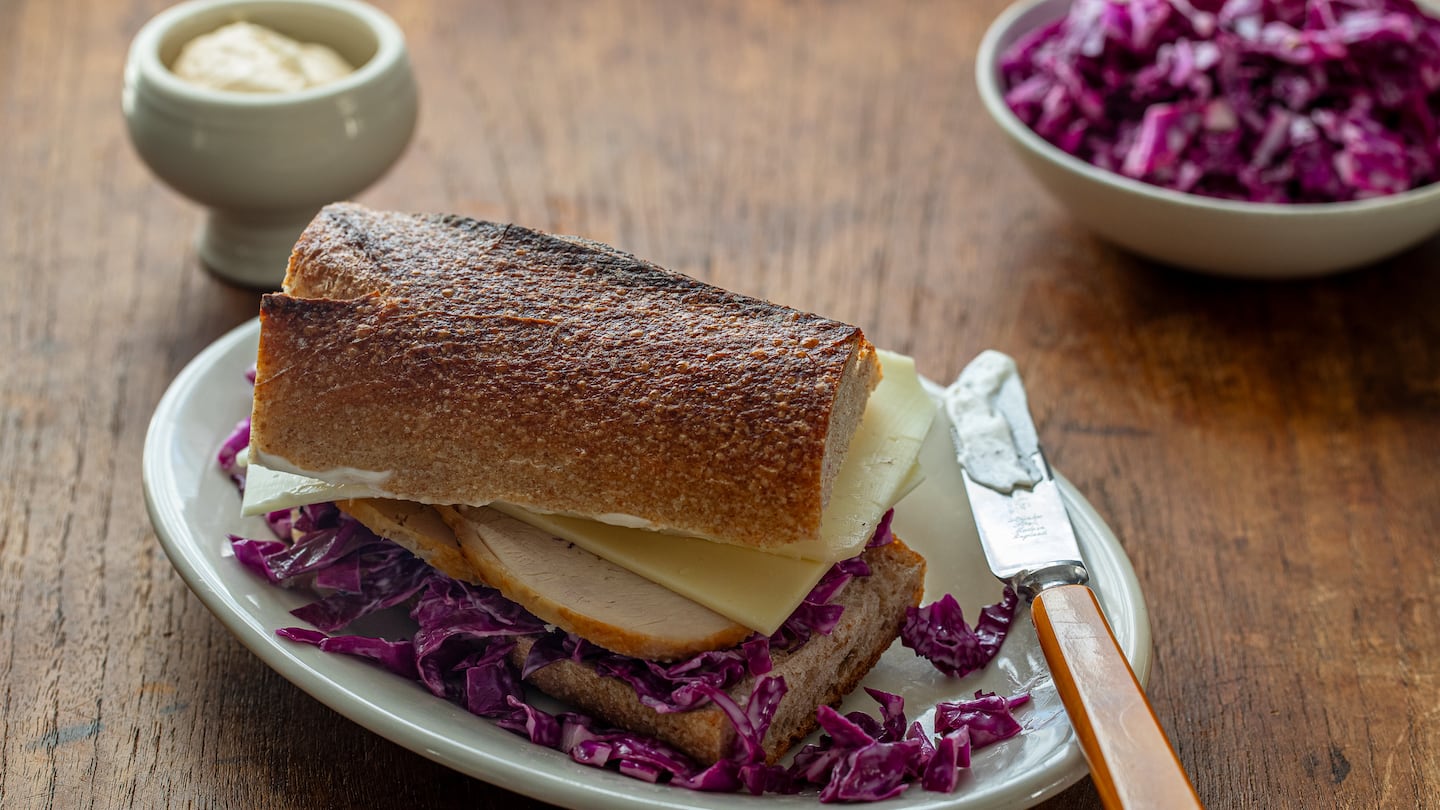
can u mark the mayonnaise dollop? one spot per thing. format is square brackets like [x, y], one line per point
[246, 58]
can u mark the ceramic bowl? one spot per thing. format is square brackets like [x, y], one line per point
[264, 163]
[1250, 240]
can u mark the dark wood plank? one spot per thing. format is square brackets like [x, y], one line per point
[1266, 452]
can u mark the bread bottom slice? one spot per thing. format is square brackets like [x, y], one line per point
[822, 671]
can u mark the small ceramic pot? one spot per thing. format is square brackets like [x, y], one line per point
[264, 163]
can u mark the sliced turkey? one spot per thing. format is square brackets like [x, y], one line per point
[594, 598]
[559, 582]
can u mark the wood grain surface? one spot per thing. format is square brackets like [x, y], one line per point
[1266, 452]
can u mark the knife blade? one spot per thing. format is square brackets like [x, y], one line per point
[1024, 528]
[1030, 544]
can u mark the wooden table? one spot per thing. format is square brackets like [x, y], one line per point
[1266, 452]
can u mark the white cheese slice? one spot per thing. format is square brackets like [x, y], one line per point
[749, 587]
[758, 589]
[268, 490]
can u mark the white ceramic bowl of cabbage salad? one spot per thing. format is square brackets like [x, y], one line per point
[1269, 240]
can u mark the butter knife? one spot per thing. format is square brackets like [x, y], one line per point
[1029, 542]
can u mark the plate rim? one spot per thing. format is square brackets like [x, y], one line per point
[605, 789]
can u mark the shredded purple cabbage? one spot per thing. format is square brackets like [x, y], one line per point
[938, 632]
[1285, 101]
[396, 656]
[987, 717]
[466, 634]
[861, 758]
[363, 573]
[238, 440]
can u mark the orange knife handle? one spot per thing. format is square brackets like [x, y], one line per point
[1131, 761]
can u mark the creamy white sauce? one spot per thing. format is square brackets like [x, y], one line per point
[341, 476]
[627, 521]
[989, 453]
[612, 518]
[246, 58]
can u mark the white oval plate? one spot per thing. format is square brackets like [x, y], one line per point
[194, 506]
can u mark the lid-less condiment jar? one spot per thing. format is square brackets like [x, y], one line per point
[264, 162]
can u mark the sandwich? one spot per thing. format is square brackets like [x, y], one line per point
[658, 476]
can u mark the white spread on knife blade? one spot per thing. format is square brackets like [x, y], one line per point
[990, 455]
[758, 589]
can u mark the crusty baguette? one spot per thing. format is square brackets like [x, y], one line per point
[822, 671]
[469, 362]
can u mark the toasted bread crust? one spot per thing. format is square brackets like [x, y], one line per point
[823, 671]
[477, 362]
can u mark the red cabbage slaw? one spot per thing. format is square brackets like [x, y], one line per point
[1279, 101]
[466, 634]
